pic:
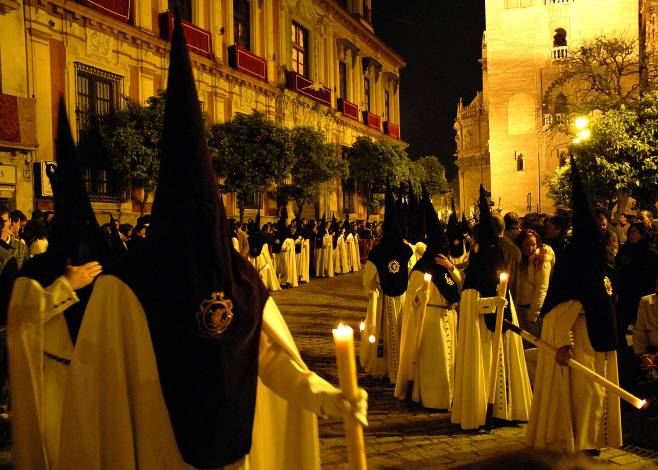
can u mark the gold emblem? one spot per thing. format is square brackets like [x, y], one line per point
[394, 267]
[608, 285]
[214, 315]
[449, 280]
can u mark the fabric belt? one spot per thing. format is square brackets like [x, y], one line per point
[57, 358]
[444, 307]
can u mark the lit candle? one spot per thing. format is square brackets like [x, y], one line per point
[344, 342]
[427, 277]
[362, 326]
[502, 285]
[495, 350]
[372, 339]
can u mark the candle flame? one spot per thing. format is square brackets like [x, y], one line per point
[362, 326]
[640, 404]
[371, 338]
[503, 277]
[427, 277]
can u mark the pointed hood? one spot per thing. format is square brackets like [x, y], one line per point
[417, 218]
[256, 238]
[403, 214]
[117, 249]
[581, 272]
[455, 234]
[75, 235]
[466, 229]
[203, 301]
[391, 255]
[437, 243]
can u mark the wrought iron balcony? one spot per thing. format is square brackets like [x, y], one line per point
[348, 109]
[246, 61]
[309, 88]
[198, 39]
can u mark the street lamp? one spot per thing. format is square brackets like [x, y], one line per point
[583, 131]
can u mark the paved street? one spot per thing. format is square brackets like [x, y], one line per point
[398, 437]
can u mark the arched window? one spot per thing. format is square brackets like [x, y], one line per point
[560, 105]
[560, 38]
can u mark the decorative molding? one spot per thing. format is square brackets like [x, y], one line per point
[99, 45]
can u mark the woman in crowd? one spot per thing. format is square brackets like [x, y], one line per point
[534, 273]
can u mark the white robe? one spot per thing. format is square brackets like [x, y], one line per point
[343, 254]
[383, 318]
[303, 259]
[429, 339]
[265, 267]
[353, 252]
[324, 258]
[35, 325]
[473, 370]
[286, 264]
[115, 415]
[569, 411]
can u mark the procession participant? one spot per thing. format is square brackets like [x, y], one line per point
[46, 308]
[474, 343]
[304, 260]
[324, 254]
[385, 279]
[570, 412]
[343, 248]
[458, 253]
[259, 257]
[180, 348]
[429, 328]
[352, 242]
[417, 226]
[283, 253]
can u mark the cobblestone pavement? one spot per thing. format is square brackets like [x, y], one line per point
[398, 437]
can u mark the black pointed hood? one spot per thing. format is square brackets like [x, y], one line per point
[455, 234]
[437, 243]
[581, 272]
[417, 218]
[256, 238]
[117, 249]
[75, 235]
[203, 301]
[391, 255]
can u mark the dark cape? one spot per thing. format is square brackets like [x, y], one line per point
[391, 256]
[437, 243]
[455, 234]
[581, 272]
[203, 301]
[75, 236]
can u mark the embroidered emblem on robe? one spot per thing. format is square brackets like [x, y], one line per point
[214, 315]
[394, 267]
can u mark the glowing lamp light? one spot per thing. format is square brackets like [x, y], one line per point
[577, 140]
[581, 123]
[362, 326]
[504, 277]
[372, 339]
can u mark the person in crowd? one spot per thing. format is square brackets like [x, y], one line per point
[612, 244]
[46, 310]
[477, 307]
[512, 225]
[125, 231]
[417, 226]
[534, 275]
[8, 264]
[555, 229]
[16, 243]
[39, 235]
[188, 393]
[570, 412]
[385, 279]
[458, 254]
[260, 258]
[352, 242]
[429, 327]
[646, 215]
[636, 267]
[645, 331]
[283, 253]
[621, 228]
[324, 251]
[510, 253]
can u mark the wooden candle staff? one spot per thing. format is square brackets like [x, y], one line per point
[344, 341]
[496, 350]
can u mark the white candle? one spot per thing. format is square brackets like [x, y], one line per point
[427, 277]
[346, 361]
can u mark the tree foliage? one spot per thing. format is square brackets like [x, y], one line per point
[132, 142]
[434, 175]
[251, 153]
[315, 162]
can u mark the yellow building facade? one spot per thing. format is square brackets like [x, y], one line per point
[526, 43]
[301, 62]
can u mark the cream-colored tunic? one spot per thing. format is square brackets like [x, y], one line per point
[115, 417]
[265, 267]
[569, 411]
[286, 264]
[324, 258]
[353, 252]
[36, 325]
[428, 344]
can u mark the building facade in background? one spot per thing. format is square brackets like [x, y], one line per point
[301, 62]
[526, 43]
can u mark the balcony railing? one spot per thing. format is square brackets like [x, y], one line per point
[557, 118]
[560, 53]
[119, 9]
[371, 120]
[309, 88]
[556, 2]
[245, 61]
[392, 129]
[198, 39]
[348, 109]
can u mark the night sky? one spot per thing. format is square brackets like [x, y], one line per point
[441, 42]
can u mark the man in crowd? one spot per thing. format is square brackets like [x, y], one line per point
[17, 222]
[512, 225]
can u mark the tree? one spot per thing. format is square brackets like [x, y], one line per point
[315, 162]
[434, 175]
[372, 162]
[251, 153]
[132, 142]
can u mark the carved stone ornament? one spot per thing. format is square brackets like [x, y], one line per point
[214, 315]
[98, 44]
[302, 9]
